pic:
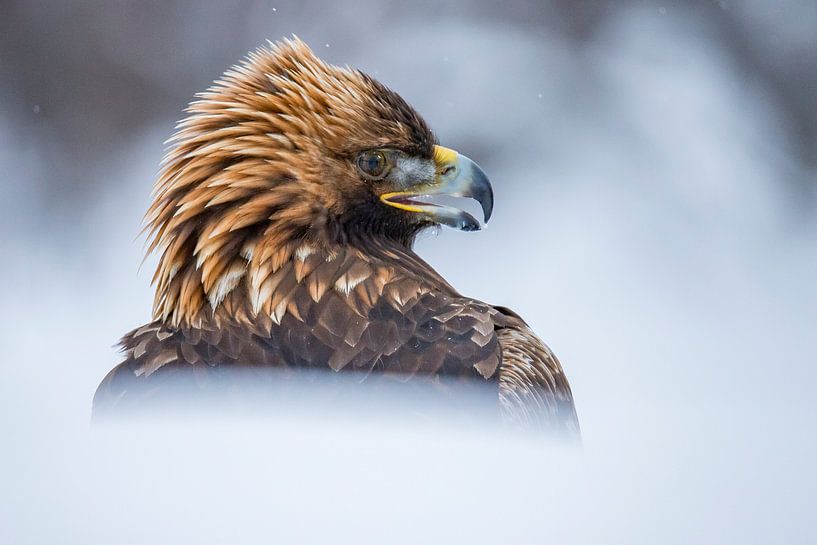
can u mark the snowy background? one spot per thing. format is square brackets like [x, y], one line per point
[655, 172]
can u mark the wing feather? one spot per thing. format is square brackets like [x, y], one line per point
[533, 389]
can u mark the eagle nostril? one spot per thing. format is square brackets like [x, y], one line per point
[448, 171]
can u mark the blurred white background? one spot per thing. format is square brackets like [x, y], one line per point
[655, 171]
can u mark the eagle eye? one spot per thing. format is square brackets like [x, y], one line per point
[373, 164]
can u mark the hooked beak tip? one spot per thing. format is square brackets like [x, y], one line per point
[482, 191]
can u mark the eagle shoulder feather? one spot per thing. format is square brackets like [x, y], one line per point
[384, 310]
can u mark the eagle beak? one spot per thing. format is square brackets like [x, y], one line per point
[456, 176]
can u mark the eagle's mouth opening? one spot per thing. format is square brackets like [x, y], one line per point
[453, 211]
[410, 200]
[466, 204]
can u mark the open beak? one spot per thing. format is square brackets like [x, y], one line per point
[456, 176]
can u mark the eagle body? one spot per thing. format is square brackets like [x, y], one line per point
[284, 216]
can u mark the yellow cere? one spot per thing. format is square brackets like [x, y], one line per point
[444, 156]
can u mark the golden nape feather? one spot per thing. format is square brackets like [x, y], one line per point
[284, 218]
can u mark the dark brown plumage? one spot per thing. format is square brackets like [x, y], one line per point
[285, 245]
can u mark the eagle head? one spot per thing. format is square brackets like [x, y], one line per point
[286, 153]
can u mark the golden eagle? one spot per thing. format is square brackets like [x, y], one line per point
[284, 216]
